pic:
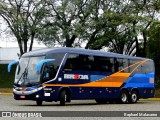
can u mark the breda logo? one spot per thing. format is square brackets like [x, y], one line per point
[76, 76]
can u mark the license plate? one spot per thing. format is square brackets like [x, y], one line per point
[22, 96]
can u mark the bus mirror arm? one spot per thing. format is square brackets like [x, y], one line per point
[40, 64]
[11, 64]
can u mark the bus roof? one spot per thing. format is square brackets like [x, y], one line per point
[47, 51]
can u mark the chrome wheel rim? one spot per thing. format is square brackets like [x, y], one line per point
[124, 98]
[134, 97]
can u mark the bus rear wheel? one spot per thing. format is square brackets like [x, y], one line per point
[39, 102]
[133, 97]
[63, 98]
[123, 98]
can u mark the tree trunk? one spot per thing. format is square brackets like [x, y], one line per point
[70, 41]
[31, 44]
[25, 46]
[91, 40]
[20, 47]
[144, 44]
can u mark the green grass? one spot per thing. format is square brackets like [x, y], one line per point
[6, 79]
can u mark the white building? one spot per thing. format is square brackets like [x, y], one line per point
[10, 54]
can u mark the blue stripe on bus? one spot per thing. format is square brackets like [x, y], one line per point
[144, 85]
[137, 79]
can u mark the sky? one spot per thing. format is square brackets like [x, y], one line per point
[6, 43]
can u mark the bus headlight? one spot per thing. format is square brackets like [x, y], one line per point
[37, 96]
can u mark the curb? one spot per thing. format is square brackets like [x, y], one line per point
[150, 99]
[9, 94]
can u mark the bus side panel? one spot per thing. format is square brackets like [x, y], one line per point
[94, 92]
[143, 82]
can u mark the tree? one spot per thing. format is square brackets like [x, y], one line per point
[23, 18]
[98, 23]
[153, 46]
[137, 16]
[71, 23]
[66, 22]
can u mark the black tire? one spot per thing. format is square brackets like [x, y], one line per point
[123, 98]
[63, 97]
[101, 101]
[39, 102]
[133, 97]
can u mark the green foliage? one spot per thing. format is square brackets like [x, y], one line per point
[98, 24]
[153, 46]
[95, 24]
[6, 79]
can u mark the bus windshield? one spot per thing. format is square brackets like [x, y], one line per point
[26, 73]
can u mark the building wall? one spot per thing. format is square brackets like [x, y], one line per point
[8, 55]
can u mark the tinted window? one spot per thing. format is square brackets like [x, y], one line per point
[125, 65]
[50, 69]
[132, 64]
[104, 64]
[73, 62]
[148, 67]
[118, 64]
[89, 63]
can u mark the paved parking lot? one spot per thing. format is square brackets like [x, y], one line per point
[7, 103]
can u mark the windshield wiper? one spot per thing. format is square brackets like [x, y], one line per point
[23, 75]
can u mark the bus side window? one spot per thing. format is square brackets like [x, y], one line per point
[49, 72]
[120, 64]
[131, 62]
[116, 65]
[72, 62]
[125, 65]
[104, 64]
[84, 62]
[131, 68]
[147, 67]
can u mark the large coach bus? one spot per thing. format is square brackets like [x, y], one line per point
[65, 74]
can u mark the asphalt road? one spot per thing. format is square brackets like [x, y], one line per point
[7, 103]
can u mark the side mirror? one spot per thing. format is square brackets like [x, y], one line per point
[40, 64]
[11, 64]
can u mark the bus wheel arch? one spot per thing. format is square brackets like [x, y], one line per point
[39, 102]
[134, 95]
[64, 95]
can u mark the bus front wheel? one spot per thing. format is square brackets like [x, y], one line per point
[63, 97]
[123, 96]
[39, 102]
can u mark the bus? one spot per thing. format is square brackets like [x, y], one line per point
[65, 74]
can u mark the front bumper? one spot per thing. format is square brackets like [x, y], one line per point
[27, 97]
[28, 93]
